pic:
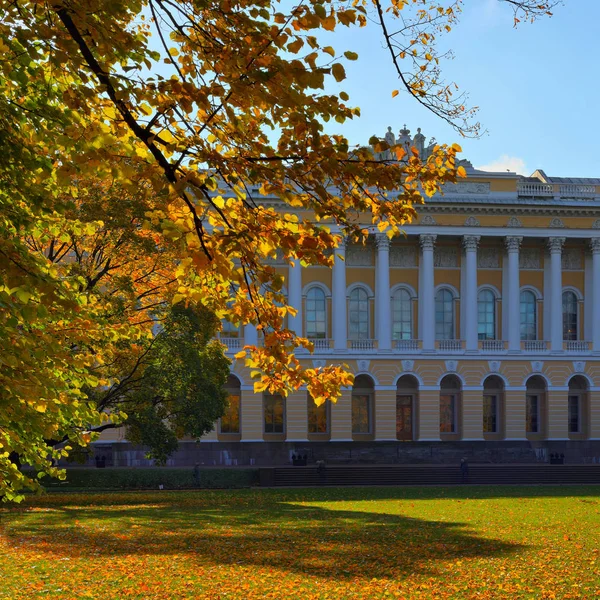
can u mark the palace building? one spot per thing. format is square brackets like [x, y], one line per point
[476, 334]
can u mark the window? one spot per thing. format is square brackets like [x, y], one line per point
[318, 421]
[316, 314]
[528, 309]
[449, 397]
[358, 314]
[402, 315]
[406, 392]
[569, 309]
[273, 413]
[444, 315]
[493, 391]
[486, 315]
[230, 421]
[229, 330]
[574, 413]
[532, 413]
[362, 396]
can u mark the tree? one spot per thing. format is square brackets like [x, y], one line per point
[200, 110]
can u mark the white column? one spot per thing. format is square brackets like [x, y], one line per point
[250, 335]
[295, 296]
[426, 295]
[514, 316]
[556, 318]
[338, 300]
[595, 299]
[382, 291]
[470, 243]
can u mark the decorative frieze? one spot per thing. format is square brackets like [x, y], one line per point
[530, 258]
[513, 243]
[363, 365]
[467, 187]
[318, 364]
[571, 259]
[382, 241]
[451, 366]
[579, 366]
[596, 224]
[472, 222]
[555, 245]
[427, 220]
[403, 256]
[445, 256]
[557, 223]
[427, 241]
[359, 256]
[514, 222]
[488, 258]
[470, 242]
[537, 366]
[494, 366]
[408, 365]
[595, 245]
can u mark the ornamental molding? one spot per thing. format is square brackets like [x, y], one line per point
[537, 366]
[363, 365]
[427, 220]
[513, 243]
[488, 258]
[555, 244]
[408, 365]
[470, 242]
[427, 241]
[472, 222]
[557, 223]
[530, 258]
[494, 366]
[445, 256]
[466, 187]
[571, 259]
[514, 222]
[595, 245]
[318, 364]
[596, 224]
[359, 256]
[579, 366]
[403, 256]
[451, 366]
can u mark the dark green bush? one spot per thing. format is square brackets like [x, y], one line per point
[151, 477]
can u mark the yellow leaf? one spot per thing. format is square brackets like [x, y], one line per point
[351, 55]
[395, 93]
[329, 50]
[338, 71]
[461, 172]
[240, 354]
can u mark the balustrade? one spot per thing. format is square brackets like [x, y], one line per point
[535, 189]
[492, 345]
[232, 343]
[450, 345]
[534, 346]
[321, 343]
[362, 345]
[407, 345]
[576, 346]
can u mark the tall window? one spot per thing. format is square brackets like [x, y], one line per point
[362, 397]
[358, 314]
[274, 413]
[449, 399]
[444, 315]
[569, 309]
[318, 421]
[574, 407]
[534, 400]
[406, 393]
[578, 387]
[493, 390]
[316, 313]
[230, 421]
[528, 311]
[486, 315]
[402, 315]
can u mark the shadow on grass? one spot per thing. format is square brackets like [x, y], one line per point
[263, 529]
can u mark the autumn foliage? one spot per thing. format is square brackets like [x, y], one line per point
[184, 119]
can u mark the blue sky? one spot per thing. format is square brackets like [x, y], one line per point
[536, 86]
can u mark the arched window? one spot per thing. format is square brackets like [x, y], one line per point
[578, 387]
[358, 314]
[402, 326]
[486, 315]
[444, 315]
[450, 389]
[534, 400]
[569, 309]
[316, 313]
[493, 392]
[528, 310]
[362, 404]
[230, 421]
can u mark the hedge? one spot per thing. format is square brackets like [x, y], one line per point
[151, 478]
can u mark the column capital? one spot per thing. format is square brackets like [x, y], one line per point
[595, 245]
[382, 241]
[513, 243]
[427, 241]
[470, 242]
[555, 244]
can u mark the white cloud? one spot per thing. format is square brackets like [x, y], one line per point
[504, 163]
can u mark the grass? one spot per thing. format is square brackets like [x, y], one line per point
[454, 542]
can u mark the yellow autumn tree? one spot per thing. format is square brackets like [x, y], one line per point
[211, 108]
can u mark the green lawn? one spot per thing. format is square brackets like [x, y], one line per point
[457, 542]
